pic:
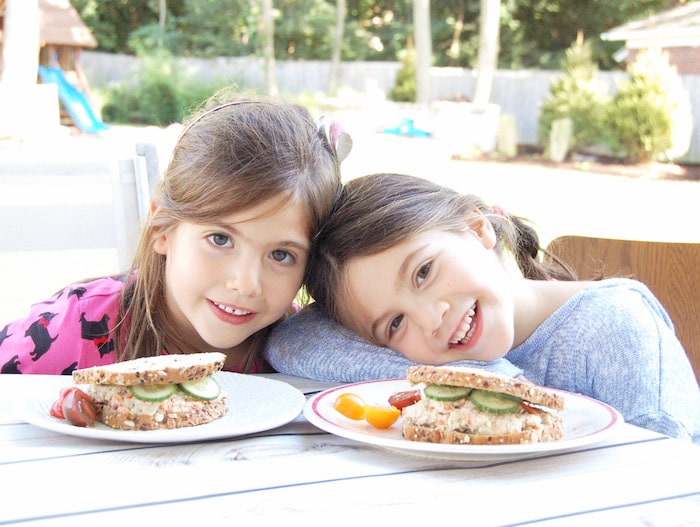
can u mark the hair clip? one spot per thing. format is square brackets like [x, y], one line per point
[498, 211]
[337, 136]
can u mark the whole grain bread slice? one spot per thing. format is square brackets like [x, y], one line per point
[484, 380]
[551, 431]
[199, 413]
[162, 369]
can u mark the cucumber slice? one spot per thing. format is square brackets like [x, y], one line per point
[153, 392]
[494, 402]
[205, 389]
[443, 392]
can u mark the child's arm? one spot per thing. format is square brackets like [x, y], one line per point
[69, 330]
[309, 345]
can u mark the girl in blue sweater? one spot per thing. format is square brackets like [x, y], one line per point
[406, 271]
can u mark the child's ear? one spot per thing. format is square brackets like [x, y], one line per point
[482, 228]
[160, 241]
[160, 244]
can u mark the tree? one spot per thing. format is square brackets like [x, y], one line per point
[487, 62]
[268, 39]
[546, 28]
[578, 94]
[650, 114]
[20, 61]
[337, 47]
[162, 10]
[424, 50]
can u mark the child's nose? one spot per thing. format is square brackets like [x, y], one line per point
[430, 316]
[244, 278]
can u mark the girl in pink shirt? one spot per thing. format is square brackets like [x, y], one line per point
[220, 259]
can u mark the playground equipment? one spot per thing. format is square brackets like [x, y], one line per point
[74, 101]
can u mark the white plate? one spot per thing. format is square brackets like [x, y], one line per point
[586, 421]
[254, 404]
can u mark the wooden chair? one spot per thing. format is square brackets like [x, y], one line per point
[670, 270]
[64, 220]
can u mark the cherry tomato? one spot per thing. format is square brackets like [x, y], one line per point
[403, 399]
[78, 408]
[57, 409]
[350, 405]
[382, 416]
[57, 406]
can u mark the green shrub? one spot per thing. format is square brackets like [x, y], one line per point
[161, 93]
[578, 95]
[405, 84]
[650, 116]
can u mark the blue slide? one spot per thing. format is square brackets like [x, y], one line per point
[73, 100]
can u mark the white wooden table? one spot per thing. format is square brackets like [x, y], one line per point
[302, 475]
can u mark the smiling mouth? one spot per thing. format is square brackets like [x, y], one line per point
[466, 329]
[232, 311]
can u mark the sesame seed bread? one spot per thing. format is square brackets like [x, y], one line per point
[483, 380]
[162, 369]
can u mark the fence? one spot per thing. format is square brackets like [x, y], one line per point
[518, 93]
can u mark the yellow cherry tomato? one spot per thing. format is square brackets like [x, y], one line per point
[350, 405]
[381, 416]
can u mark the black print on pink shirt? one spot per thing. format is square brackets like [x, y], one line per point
[98, 332]
[39, 333]
[78, 292]
[4, 334]
[69, 370]
[11, 366]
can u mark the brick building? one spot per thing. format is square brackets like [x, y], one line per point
[676, 31]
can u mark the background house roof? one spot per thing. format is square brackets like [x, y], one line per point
[59, 23]
[676, 27]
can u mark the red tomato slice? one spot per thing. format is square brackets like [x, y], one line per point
[78, 408]
[57, 409]
[403, 399]
[57, 406]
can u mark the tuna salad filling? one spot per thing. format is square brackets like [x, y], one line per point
[463, 416]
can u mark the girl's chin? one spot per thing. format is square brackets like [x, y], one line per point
[457, 352]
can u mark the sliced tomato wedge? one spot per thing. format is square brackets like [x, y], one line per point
[78, 408]
[57, 406]
[57, 409]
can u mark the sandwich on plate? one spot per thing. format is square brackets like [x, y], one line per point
[150, 393]
[473, 406]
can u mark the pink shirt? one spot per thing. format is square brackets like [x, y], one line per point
[69, 331]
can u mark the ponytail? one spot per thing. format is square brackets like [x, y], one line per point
[527, 251]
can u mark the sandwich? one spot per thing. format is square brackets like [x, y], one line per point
[473, 406]
[152, 393]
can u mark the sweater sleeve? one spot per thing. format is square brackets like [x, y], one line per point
[312, 346]
[67, 331]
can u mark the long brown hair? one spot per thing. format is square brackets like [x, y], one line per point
[379, 211]
[232, 156]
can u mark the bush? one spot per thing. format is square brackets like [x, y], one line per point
[650, 116]
[579, 96]
[405, 85]
[161, 93]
